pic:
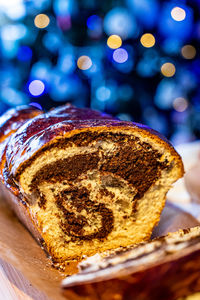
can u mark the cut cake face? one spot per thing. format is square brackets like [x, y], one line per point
[92, 184]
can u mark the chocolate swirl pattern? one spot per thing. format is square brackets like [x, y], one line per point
[74, 225]
[90, 182]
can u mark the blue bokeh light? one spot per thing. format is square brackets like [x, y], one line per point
[124, 117]
[148, 65]
[94, 22]
[9, 76]
[121, 22]
[52, 41]
[13, 97]
[172, 45]
[13, 32]
[64, 7]
[125, 67]
[41, 70]
[35, 104]
[38, 4]
[116, 79]
[103, 93]
[120, 55]
[66, 63]
[36, 88]
[155, 120]
[147, 8]
[9, 49]
[64, 87]
[169, 27]
[24, 53]
[166, 92]
[14, 9]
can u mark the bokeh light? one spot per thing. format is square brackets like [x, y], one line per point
[188, 51]
[66, 87]
[146, 11]
[180, 104]
[35, 104]
[41, 70]
[14, 9]
[124, 117]
[168, 69]
[124, 60]
[114, 41]
[51, 41]
[125, 67]
[84, 62]
[178, 14]
[103, 93]
[41, 21]
[66, 62]
[64, 7]
[24, 53]
[121, 22]
[64, 22]
[36, 87]
[120, 55]
[167, 90]
[13, 32]
[101, 55]
[171, 46]
[13, 96]
[179, 28]
[95, 26]
[147, 40]
[94, 22]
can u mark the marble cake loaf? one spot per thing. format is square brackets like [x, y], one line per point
[84, 182]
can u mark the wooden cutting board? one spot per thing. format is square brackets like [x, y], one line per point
[14, 286]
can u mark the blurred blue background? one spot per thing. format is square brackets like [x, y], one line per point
[136, 59]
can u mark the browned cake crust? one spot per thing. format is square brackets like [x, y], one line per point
[47, 129]
[166, 268]
[29, 134]
[9, 123]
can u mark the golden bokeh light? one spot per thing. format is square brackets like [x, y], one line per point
[178, 14]
[188, 51]
[41, 21]
[114, 41]
[84, 62]
[147, 40]
[168, 69]
[180, 104]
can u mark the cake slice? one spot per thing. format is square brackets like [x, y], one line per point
[89, 182]
[165, 268]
